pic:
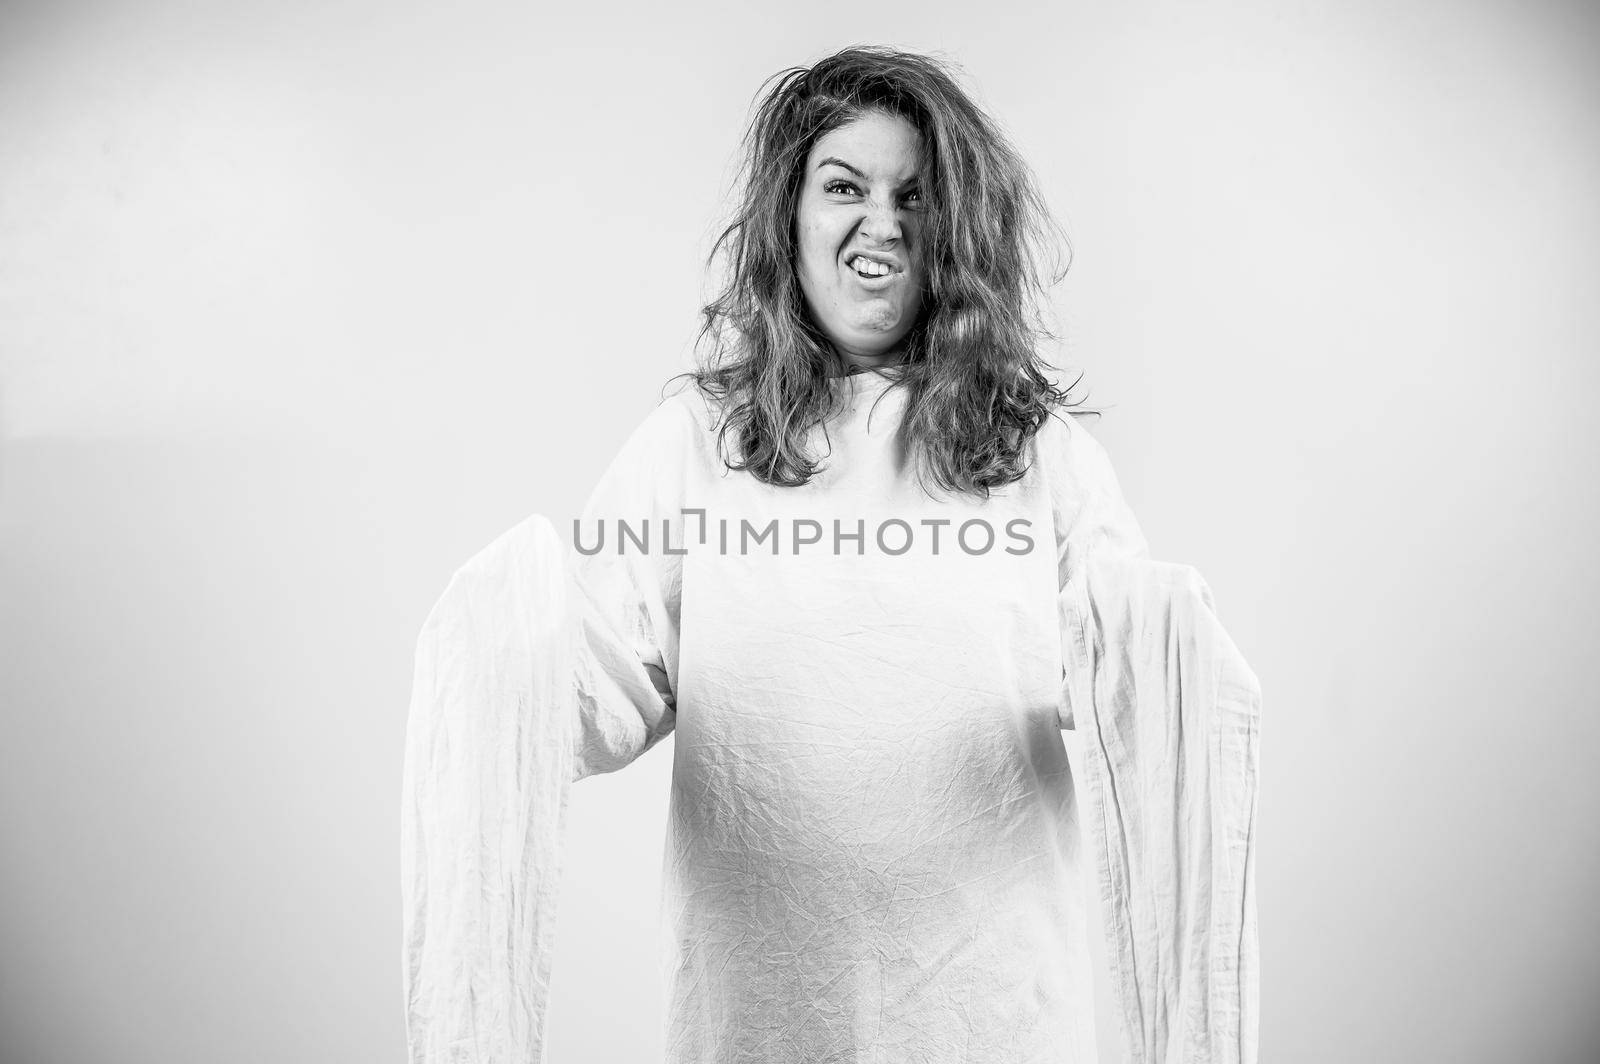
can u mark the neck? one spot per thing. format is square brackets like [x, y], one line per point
[851, 362]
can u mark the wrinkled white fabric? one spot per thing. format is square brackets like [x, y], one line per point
[873, 847]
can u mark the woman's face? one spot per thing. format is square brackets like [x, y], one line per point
[859, 229]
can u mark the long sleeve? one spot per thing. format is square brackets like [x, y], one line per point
[1092, 520]
[630, 585]
[536, 668]
[1170, 716]
[489, 757]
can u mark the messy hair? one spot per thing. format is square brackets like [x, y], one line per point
[977, 387]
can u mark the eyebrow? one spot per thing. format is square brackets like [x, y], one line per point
[835, 161]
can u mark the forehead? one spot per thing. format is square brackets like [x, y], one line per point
[880, 145]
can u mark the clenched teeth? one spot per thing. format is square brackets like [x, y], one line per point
[867, 268]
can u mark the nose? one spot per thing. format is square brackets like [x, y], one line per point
[881, 223]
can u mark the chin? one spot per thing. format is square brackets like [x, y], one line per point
[881, 325]
[876, 345]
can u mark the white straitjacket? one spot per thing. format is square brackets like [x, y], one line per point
[875, 838]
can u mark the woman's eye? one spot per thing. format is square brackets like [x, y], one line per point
[914, 197]
[839, 188]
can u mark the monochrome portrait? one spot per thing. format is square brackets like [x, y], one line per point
[775, 535]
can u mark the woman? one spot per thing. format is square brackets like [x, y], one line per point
[869, 571]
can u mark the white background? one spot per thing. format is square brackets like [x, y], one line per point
[301, 303]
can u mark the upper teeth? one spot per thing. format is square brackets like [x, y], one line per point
[870, 268]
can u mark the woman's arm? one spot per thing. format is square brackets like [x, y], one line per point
[1170, 713]
[539, 666]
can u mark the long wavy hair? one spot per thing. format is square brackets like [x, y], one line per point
[977, 387]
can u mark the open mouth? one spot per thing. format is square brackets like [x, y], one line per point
[868, 269]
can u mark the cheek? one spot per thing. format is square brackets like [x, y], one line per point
[816, 257]
[915, 245]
